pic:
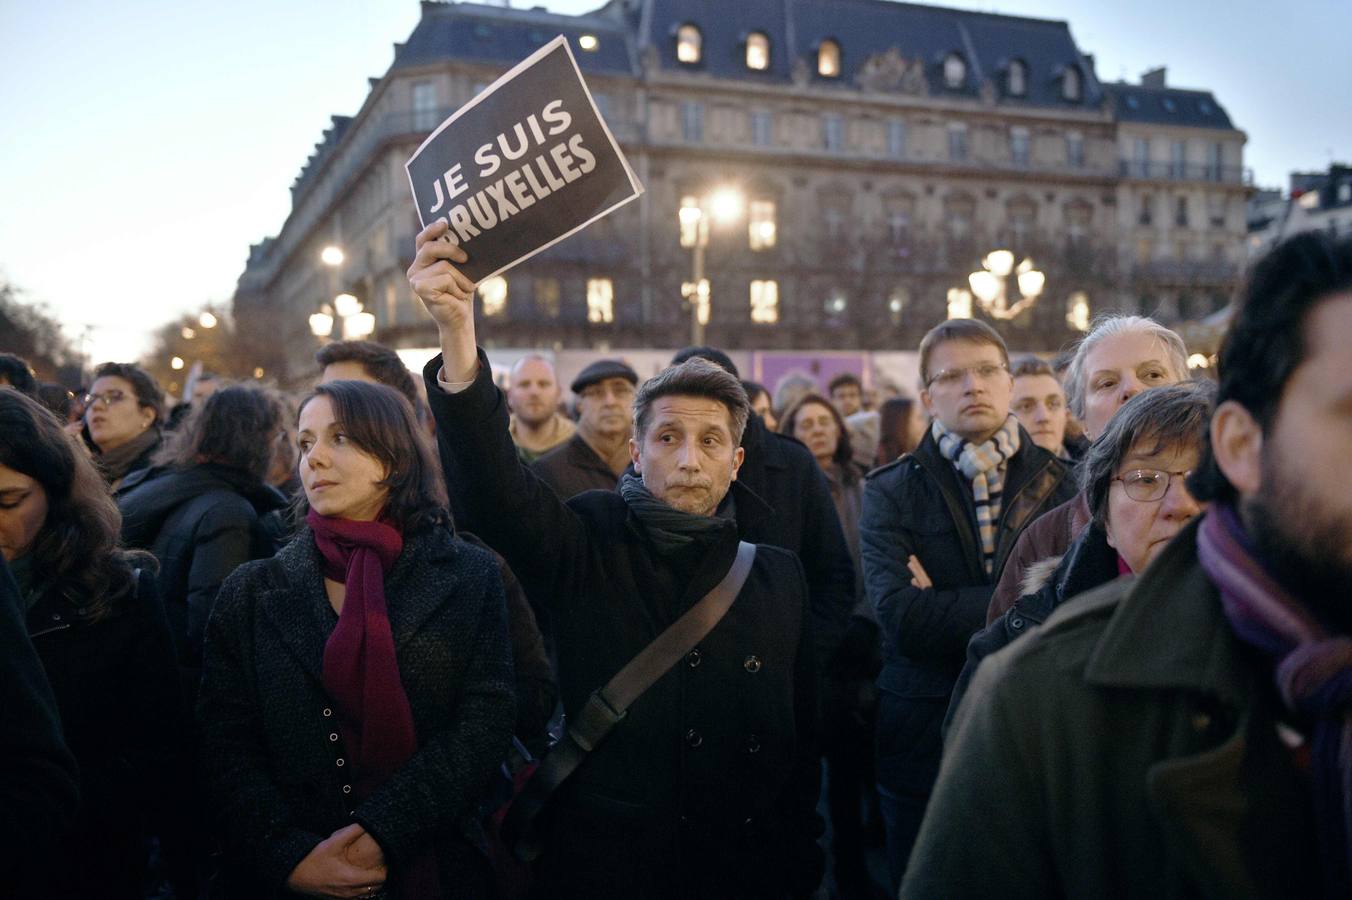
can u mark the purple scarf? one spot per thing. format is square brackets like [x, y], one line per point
[1313, 670]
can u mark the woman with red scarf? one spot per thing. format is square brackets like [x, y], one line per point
[357, 689]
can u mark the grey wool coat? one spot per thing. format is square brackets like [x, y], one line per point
[272, 754]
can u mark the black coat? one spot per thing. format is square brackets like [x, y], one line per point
[39, 790]
[201, 524]
[272, 756]
[921, 505]
[708, 786]
[116, 685]
[574, 467]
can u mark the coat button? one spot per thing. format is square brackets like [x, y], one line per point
[347, 789]
[692, 658]
[56, 617]
[693, 739]
[1201, 721]
[753, 744]
[341, 762]
[752, 664]
[327, 712]
[334, 737]
[1015, 623]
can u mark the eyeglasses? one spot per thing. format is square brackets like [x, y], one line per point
[1148, 485]
[107, 398]
[952, 377]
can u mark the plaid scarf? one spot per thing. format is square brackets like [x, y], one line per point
[1313, 671]
[984, 466]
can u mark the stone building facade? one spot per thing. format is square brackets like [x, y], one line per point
[878, 151]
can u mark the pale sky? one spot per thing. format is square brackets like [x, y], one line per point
[146, 144]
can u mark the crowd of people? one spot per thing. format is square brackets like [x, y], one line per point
[1072, 627]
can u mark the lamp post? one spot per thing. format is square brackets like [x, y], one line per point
[990, 285]
[723, 205]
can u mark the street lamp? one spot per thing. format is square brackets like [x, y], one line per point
[990, 284]
[321, 324]
[207, 320]
[346, 305]
[332, 255]
[724, 205]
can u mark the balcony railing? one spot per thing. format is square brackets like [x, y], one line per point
[1168, 171]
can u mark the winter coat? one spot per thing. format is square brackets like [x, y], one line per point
[39, 784]
[116, 686]
[1048, 536]
[922, 505]
[1089, 563]
[574, 467]
[272, 755]
[708, 786]
[1127, 748]
[201, 524]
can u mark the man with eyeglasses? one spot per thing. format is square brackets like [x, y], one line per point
[936, 527]
[597, 454]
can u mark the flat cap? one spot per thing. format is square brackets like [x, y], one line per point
[600, 371]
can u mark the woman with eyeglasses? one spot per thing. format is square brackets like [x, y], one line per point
[357, 689]
[96, 622]
[1133, 478]
[123, 411]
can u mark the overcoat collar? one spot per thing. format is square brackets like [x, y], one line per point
[416, 587]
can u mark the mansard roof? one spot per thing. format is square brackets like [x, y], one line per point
[1167, 106]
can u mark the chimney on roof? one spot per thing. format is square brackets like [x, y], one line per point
[1154, 78]
[1089, 61]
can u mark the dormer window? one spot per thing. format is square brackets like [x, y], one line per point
[1016, 79]
[828, 59]
[689, 44]
[757, 51]
[1071, 87]
[955, 71]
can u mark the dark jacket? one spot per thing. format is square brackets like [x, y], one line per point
[39, 790]
[1127, 748]
[922, 505]
[1049, 535]
[201, 523]
[272, 756]
[1088, 563]
[116, 686]
[574, 467]
[708, 786]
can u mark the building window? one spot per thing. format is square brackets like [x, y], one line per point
[828, 59]
[761, 227]
[1181, 212]
[600, 300]
[424, 106]
[1140, 156]
[896, 139]
[1217, 162]
[602, 104]
[1016, 79]
[1345, 192]
[493, 295]
[757, 51]
[1079, 216]
[690, 217]
[1178, 155]
[1075, 150]
[547, 294]
[588, 42]
[692, 121]
[689, 44]
[955, 71]
[1147, 214]
[836, 303]
[1018, 145]
[1021, 214]
[957, 142]
[1071, 86]
[762, 128]
[959, 212]
[833, 132]
[898, 210]
[897, 302]
[765, 302]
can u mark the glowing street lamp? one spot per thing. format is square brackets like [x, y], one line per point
[723, 206]
[207, 320]
[359, 325]
[332, 256]
[176, 363]
[321, 324]
[990, 284]
[346, 305]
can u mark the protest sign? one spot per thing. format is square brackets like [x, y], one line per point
[521, 166]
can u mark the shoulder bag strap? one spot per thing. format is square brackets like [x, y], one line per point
[607, 706]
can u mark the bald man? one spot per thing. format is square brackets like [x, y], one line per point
[536, 424]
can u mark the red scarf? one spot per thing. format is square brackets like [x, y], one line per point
[361, 673]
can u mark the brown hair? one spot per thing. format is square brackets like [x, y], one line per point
[146, 388]
[894, 424]
[75, 554]
[1025, 366]
[236, 427]
[380, 421]
[696, 377]
[971, 331]
[844, 452]
[379, 361]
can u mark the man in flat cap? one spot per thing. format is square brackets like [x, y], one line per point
[597, 454]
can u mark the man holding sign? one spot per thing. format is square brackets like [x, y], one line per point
[707, 785]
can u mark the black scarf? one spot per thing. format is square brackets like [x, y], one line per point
[671, 530]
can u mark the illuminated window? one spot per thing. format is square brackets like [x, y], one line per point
[547, 296]
[689, 44]
[757, 51]
[600, 300]
[493, 295]
[690, 215]
[955, 71]
[765, 302]
[588, 42]
[897, 302]
[1070, 84]
[1016, 79]
[761, 227]
[828, 59]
